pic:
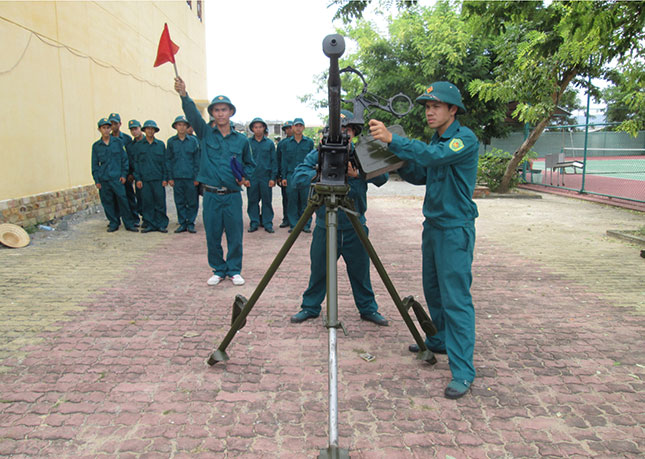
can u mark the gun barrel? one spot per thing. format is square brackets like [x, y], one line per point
[334, 47]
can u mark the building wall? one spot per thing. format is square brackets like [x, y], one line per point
[65, 65]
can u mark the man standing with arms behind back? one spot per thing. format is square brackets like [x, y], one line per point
[264, 178]
[183, 166]
[448, 168]
[222, 151]
[294, 151]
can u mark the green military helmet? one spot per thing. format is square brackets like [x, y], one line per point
[133, 124]
[221, 100]
[103, 122]
[180, 119]
[346, 118]
[114, 117]
[150, 123]
[258, 120]
[287, 124]
[298, 121]
[443, 91]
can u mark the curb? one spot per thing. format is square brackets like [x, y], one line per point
[626, 236]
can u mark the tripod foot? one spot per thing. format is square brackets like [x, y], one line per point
[217, 356]
[422, 316]
[238, 305]
[333, 452]
[427, 356]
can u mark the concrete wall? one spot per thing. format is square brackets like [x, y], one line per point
[66, 64]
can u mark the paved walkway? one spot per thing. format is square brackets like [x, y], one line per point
[104, 337]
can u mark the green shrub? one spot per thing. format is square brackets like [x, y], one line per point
[492, 166]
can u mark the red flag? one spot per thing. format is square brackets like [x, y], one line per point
[167, 49]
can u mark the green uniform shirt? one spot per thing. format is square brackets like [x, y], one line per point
[109, 161]
[293, 153]
[183, 157]
[266, 163]
[217, 150]
[306, 171]
[448, 168]
[150, 161]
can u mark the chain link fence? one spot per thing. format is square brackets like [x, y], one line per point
[604, 163]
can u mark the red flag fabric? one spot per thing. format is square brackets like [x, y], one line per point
[167, 49]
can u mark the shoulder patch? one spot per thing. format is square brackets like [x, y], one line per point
[456, 144]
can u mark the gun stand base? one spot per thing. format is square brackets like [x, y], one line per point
[217, 356]
[333, 452]
[334, 198]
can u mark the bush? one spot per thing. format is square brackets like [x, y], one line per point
[492, 166]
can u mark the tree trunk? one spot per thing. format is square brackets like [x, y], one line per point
[511, 167]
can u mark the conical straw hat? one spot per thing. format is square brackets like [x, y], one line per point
[13, 236]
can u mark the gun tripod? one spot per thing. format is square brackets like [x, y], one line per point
[333, 197]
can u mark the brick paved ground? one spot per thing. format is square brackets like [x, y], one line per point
[104, 337]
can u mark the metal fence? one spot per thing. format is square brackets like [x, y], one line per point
[604, 163]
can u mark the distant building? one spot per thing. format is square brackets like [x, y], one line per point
[67, 64]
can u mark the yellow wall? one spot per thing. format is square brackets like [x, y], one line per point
[53, 96]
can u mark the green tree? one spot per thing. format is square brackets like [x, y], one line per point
[540, 49]
[350, 10]
[626, 99]
[421, 45]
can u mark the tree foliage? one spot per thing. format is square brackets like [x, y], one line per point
[421, 45]
[625, 99]
[350, 10]
[541, 49]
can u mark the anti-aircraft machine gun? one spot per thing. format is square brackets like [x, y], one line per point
[330, 189]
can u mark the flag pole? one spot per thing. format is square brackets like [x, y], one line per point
[175, 67]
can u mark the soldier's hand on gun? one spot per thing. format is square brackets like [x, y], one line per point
[271, 183]
[139, 184]
[379, 131]
[244, 182]
[180, 86]
[171, 182]
[351, 171]
[122, 179]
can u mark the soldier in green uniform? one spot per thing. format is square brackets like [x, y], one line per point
[287, 128]
[151, 175]
[294, 150]
[349, 245]
[183, 166]
[264, 178]
[130, 148]
[447, 166]
[109, 170]
[115, 122]
[223, 152]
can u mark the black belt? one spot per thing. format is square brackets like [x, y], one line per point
[218, 190]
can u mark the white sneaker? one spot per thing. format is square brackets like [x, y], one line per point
[238, 280]
[214, 280]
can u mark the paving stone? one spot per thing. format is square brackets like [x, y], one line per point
[113, 363]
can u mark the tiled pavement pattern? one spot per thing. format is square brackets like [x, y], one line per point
[104, 337]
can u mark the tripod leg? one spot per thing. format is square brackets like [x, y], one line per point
[424, 352]
[331, 216]
[219, 355]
